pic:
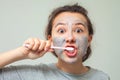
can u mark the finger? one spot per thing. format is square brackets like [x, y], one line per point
[36, 44]
[26, 45]
[41, 53]
[48, 45]
[42, 45]
[29, 43]
[51, 50]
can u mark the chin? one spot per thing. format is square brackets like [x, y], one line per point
[70, 61]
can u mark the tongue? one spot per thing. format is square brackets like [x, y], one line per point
[71, 53]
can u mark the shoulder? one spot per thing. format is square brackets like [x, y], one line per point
[27, 67]
[23, 71]
[98, 74]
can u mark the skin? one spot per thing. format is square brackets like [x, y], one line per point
[81, 44]
[70, 29]
[76, 34]
[32, 48]
[67, 27]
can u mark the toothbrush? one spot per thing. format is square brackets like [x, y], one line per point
[54, 47]
[66, 48]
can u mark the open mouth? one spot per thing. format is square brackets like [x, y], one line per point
[71, 53]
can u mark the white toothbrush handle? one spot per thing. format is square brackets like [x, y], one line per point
[68, 48]
[54, 47]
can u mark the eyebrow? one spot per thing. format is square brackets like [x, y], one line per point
[81, 23]
[60, 23]
[76, 23]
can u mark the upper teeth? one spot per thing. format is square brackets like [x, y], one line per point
[70, 48]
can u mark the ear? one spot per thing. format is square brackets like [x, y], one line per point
[89, 39]
[49, 37]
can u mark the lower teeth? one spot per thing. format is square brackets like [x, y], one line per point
[71, 51]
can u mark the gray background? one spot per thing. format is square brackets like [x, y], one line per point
[21, 19]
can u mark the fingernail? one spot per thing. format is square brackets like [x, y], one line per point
[26, 45]
[46, 49]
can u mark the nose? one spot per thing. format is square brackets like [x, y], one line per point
[70, 38]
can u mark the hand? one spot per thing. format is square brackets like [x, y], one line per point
[35, 48]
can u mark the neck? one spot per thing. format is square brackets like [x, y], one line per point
[73, 68]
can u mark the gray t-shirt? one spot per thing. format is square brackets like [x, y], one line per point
[47, 72]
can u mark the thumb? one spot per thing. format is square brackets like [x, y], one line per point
[27, 48]
[51, 50]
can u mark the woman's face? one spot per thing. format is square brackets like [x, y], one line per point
[70, 30]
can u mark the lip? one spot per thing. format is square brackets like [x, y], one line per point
[71, 53]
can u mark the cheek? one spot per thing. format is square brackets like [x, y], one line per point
[82, 44]
[59, 42]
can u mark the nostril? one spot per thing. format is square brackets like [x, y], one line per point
[71, 40]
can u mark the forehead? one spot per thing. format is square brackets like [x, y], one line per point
[69, 17]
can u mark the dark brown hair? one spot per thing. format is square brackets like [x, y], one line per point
[74, 9]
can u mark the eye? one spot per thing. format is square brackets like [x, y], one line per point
[78, 30]
[61, 31]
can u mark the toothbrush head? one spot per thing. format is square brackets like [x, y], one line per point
[69, 48]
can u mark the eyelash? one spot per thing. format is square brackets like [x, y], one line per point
[61, 31]
[78, 29]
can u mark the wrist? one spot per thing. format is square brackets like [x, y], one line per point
[21, 53]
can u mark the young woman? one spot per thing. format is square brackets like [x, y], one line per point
[69, 34]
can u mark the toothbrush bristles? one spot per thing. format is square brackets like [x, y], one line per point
[70, 48]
